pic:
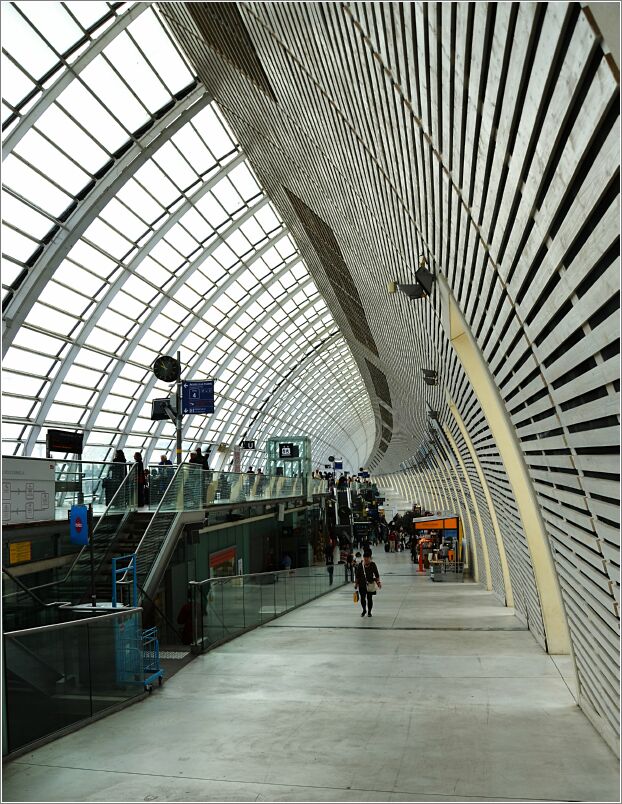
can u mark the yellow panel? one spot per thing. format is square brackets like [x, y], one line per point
[19, 552]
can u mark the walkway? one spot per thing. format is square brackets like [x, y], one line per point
[440, 696]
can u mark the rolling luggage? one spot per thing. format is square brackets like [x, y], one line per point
[386, 547]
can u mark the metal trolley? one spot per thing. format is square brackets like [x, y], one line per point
[447, 571]
[151, 658]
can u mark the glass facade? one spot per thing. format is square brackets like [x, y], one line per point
[133, 226]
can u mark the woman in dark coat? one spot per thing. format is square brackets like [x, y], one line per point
[116, 475]
[366, 574]
[140, 478]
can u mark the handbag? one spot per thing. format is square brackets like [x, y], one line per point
[355, 597]
[371, 585]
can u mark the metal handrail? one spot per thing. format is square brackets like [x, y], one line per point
[72, 623]
[23, 587]
[254, 574]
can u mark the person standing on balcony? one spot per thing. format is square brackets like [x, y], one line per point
[164, 474]
[140, 478]
[116, 475]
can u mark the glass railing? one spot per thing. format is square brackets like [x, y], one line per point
[86, 483]
[223, 608]
[198, 488]
[189, 487]
[96, 483]
[23, 608]
[60, 675]
[319, 485]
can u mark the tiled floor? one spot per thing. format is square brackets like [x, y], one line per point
[441, 696]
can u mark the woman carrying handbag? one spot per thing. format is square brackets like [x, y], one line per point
[367, 581]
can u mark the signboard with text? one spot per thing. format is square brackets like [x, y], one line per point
[197, 397]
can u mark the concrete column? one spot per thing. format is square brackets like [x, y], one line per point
[504, 434]
[507, 583]
[478, 517]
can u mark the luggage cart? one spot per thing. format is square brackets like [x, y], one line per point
[151, 659]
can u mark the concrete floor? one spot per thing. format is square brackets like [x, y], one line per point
[441, 696]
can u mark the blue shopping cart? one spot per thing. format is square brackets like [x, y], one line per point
[151, 658]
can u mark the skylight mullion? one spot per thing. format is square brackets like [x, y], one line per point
[130, 88]
[36, 241]
[65, 154]
[149, 64]
[35, 88]
[31, 204]
[44, 177]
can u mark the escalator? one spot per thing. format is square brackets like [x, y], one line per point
[344, 511]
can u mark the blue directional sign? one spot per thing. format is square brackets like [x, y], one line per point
[197, 397]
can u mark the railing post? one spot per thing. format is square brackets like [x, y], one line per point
[114, 583]
[134, 582]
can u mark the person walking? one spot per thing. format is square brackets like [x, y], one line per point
[350, 564]
[330, 563]
[329, 554]
[367, 581]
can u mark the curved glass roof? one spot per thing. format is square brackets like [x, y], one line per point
[132, 227]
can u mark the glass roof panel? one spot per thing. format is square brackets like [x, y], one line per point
[179, 258]
[121, 52]
[92, 115]
[155, 43]
[36, 56]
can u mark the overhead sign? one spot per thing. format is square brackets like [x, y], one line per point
[248, 445]
[197, 397]
[64, 441]
[78, 525]
[288, 451]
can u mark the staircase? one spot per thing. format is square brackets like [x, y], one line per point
[124, 542]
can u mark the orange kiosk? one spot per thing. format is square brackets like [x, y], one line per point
[449, 527]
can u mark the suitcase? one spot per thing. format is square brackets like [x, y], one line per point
[387, 547]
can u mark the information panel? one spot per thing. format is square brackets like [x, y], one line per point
[197, 397]
[27, 490]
